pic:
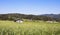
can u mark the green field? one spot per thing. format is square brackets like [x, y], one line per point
[29, 28]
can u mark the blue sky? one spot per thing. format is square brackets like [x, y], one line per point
[35, 7]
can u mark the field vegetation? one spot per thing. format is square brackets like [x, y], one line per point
[29, 28]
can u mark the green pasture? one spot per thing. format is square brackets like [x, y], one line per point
[29, 28]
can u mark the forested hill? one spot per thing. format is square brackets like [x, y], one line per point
[52, 15]
[45, 17]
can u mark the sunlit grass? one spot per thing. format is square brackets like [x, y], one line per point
[29, 28]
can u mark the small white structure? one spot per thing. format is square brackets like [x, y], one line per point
[19, 21]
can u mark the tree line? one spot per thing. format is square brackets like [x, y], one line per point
[23, 16]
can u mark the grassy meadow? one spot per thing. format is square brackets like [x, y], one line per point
[29, 28]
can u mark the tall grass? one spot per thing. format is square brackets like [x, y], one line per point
[29, 28]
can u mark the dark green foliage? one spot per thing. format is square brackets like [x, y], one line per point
[14, 16]
[57, 33]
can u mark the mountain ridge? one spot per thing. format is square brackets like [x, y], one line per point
[52, 15]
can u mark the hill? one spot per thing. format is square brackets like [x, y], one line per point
[44, 17]
[53, 15]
